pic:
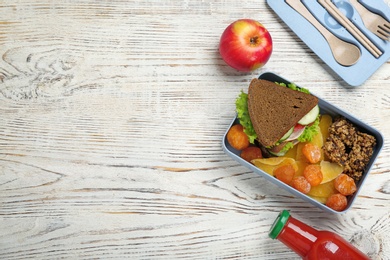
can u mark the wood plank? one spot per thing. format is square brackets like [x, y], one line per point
[112, 117]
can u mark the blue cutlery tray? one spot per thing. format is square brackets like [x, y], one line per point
[367, 64]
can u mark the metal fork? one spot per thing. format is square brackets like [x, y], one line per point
[373, 22]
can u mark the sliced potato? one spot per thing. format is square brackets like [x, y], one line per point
[300, 157]
[318, 139]
[301, 167]
[325, 122]
[330, 171]
[270, 164]
[319, 199]
[323, 190]
[292, 153]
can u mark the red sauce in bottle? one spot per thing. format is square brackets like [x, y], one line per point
[310, 243]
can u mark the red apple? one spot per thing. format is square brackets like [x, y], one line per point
[245, 45]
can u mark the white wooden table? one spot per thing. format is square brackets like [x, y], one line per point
[112, 117]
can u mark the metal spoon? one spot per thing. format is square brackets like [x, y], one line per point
[345, 53]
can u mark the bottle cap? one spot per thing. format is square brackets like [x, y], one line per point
[278, 224]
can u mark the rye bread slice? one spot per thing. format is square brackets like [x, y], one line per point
[275, 109]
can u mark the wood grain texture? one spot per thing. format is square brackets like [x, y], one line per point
[112, 116]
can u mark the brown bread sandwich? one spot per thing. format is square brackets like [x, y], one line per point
[277, 116]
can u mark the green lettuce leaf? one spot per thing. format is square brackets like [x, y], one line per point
[293, 87]
[310, 131]
[287, 147]
[243, 116]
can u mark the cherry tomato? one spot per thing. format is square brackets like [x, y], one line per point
[345, 184]
[337, 202]
[312, 152]
[285, 173]
[301, 184]
[237, 138]
[250, 153]
[313, 174]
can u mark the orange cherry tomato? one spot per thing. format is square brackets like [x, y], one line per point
[312, 152]
[250, 153]
[301, 184]
[285, 173]
[337, 202]
[313, 174]
[345, 184]
[237, 138]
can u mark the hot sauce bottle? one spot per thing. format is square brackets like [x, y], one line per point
[310, 243]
